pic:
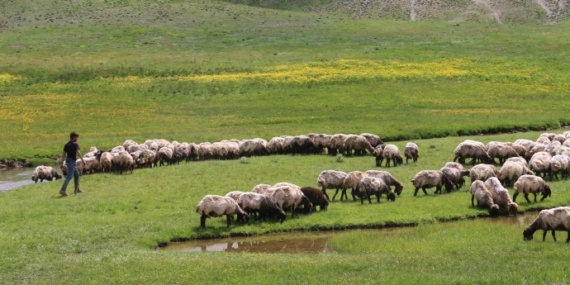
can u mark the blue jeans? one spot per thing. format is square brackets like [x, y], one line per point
[71, 170]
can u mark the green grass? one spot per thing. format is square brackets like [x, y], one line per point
[108, 234]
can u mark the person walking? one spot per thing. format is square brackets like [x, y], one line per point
[68, 158]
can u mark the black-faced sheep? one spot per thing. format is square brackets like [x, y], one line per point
[501, 196]
[392, 153]
[388, 179]
[376, 186]
[482, 172]
[454, 172]
[540, 163]
[316, 197]
[260, 206]
[527, 184]
[555, 219]
[330, 179]
[431, 178]
[484, 198]
[411, 151]
[42, 173]
[216, 206]
[471, 149]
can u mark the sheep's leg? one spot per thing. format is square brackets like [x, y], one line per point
[472, 200]
[336, 192]
[353, 193]
[343, 193]
[515, 196]
[292, 211]
[228, 220]
[568, 238]
[544, 235]
[554, 235]
[325, 192]
[526, 197]
[437, 189]
[534, 197]
[203, 221]
[424, 189]
[416, 192]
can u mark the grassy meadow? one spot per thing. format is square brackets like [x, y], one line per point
[211, 70]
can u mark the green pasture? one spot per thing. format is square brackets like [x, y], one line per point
[110, 233]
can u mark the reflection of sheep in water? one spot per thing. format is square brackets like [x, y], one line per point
[216, 206]
[555, 219]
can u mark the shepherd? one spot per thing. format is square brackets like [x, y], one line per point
[68, 159]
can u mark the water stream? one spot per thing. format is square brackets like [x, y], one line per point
[13, 178]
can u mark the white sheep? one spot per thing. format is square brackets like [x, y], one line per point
[123, 161]
[392, 153]
[559, 164]
[502, 151]
[372, 185]
[330, 179]
[512, 170]
[484, 198]
[555, 219]
[235, 194]
[501, 196]
[106, 161]
[260, 205]
[482, 172]
[540, 163]
[471, 149]
[388, 178]
[527, 184]
[411, 151]
[42, 173]
[216, 206]
[260, 188]
[431, 178]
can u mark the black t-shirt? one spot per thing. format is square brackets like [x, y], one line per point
[71, 149]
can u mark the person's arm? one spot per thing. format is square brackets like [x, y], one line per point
[80, 156]
[63, 158]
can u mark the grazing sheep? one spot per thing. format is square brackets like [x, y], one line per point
[471, 149]
[531, 184]
[351, 181]
[454, 172]
[429, 179]
[559, 164]
[336, 144]
[123, 161]
[331, 179]
[289, 197]
[373, 139]
[501, 196]
[374, 185]
[484, 198]
[316, 197]
[260, 205]
[378, 154]
[555, 219]
[302, 145]
[502, 151]
[358, 144]
[482, 172]
[260, 188]
[276, 145]
[511, 170]
[216, 206]
[164, 156]
[321, 141]
[553, 147]
[392, 153]
[106, 161]
[536, 148]
[411, 151]
[253, 147]
[42, 173]
[235, 194]
[540, 163]
[388, 179]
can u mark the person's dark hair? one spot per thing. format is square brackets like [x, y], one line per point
[73, 135]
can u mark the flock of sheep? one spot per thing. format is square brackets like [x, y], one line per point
[525, 166]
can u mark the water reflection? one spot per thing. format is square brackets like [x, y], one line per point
[15, 177]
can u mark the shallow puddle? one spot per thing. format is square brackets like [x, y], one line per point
[13, 178]
[303, 242]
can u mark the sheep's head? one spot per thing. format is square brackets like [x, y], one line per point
[391, 196]
[57, 176]
[494, 210]
[528, 233]
[399, 160]
[513, 208]
[243, 217]
[546, 192]
[399, 189]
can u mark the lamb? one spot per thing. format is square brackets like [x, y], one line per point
[388, 179]
[374, 185]
[330, 179]
[531, 184]
[484, 198]
[289, 197]
[260, 205]
[316, 197]
[555, 219]
[559, 164]
[431, 178]
[454, 172]
[501, 196]
[411, 151]
[502, 151]
[45, 173]
[216, 206]
[512, 170]
[482, 172]
[471, 149]
[392, 153]
[260, 188]
[357, 143]
[235, 194]
[351, 181]
[540, 163]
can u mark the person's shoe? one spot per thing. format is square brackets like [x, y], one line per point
[78, 191]
[62, 193]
